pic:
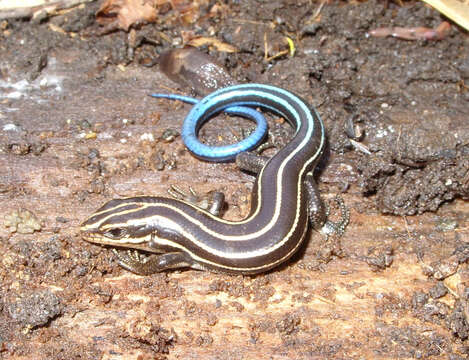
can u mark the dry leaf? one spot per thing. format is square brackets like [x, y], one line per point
[456, 10]
[219, 45]
[125, 13]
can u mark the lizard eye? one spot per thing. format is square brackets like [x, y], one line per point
[115, 233]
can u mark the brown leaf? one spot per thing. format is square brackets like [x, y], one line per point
[125, 13]
[219, 45]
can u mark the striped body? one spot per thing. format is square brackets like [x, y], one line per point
[278, 220]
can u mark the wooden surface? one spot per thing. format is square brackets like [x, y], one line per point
[336, 299]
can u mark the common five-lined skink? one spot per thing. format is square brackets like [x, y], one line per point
[284, 200]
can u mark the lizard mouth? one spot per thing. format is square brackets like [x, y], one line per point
[92, 237]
